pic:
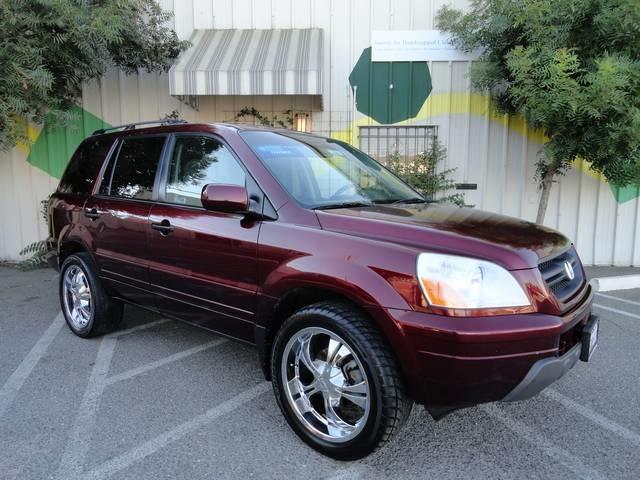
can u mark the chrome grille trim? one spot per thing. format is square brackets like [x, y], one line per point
[555, 275]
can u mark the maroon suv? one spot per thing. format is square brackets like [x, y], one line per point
[360, 296]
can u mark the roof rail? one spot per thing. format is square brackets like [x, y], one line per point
[132, 126]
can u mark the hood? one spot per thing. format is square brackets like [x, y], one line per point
[510, 242]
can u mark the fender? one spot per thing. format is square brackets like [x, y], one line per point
[67, 216]
[346, 279]
[357, 282]
[77, 234]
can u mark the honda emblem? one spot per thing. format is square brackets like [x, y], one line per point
[568, 269]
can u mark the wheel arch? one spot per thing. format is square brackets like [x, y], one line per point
[276, 311]
[69, 247]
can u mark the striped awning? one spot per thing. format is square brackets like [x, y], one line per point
[250, 62]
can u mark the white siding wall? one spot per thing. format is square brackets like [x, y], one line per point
[499, 159]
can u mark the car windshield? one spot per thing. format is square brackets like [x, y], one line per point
[325, 173]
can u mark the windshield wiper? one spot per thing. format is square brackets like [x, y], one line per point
[343, 205]
[410, 200]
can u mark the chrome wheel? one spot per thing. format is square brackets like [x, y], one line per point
[325, 384]
[76, 295]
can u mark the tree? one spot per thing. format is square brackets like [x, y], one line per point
[571, 68]
[421, 172]
[49, 48]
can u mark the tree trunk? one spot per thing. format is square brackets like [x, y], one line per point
[546, 183]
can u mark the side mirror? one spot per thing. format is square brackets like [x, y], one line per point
[225, 198]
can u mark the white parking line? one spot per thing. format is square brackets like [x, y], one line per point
[13, 385]
[594, 416]
[573, 463]
[615, 310]
[116, 464]
[623, 300]
[77, 445]
[163, 361]
[350, 473]
[137, 328]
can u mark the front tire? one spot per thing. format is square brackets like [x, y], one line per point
[87, 308]
[337, 382]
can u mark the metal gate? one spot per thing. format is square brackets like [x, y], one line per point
[381, 141]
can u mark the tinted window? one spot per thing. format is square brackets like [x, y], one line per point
[197, 161]
[135, 168]
[85, 165]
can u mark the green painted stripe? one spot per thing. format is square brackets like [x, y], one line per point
[624, 194]
[55, 144]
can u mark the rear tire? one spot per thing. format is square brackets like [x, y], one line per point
[87, 308]
[336, 381]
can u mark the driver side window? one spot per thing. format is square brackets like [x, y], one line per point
[196, 162]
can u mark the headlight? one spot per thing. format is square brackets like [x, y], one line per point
[449, 281]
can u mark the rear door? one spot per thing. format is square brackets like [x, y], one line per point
[76, 186]
[118, 216]
[202, 263]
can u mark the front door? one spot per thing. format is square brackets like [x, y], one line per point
[203, 265]
[118, 217]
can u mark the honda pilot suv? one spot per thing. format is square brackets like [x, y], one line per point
[361, 296]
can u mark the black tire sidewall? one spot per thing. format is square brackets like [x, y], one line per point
[80, 261]
[368, 438]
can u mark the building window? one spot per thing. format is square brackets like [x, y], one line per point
[302, 122]
[381, 141]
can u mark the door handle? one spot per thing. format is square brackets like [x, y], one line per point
[91, 213]
[164, 227]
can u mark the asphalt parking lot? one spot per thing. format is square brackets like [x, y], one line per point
[159, 399]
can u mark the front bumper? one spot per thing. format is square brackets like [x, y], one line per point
[546, 371]
[543, 373]
[456, 362]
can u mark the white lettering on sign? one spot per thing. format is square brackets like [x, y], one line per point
[415, 46]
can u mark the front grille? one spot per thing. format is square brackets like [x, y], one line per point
[554, 272]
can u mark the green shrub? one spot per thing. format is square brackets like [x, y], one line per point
[421, 172]
[37, 250]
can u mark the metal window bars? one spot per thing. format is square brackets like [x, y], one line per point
[408, 141]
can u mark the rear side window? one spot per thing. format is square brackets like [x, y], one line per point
[84, 166]
[134, 170]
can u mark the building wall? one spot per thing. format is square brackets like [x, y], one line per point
[496, 152]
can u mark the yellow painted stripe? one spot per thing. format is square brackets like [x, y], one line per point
[440, 104]
[32, 132]
[454, 103]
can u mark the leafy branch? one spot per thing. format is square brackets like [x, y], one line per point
[37, 250]
[285, 122]
[50, 48]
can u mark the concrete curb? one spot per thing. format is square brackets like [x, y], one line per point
[623, 282]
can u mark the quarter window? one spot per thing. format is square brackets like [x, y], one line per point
[84, 166]
[135, 168]
[196, 162]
